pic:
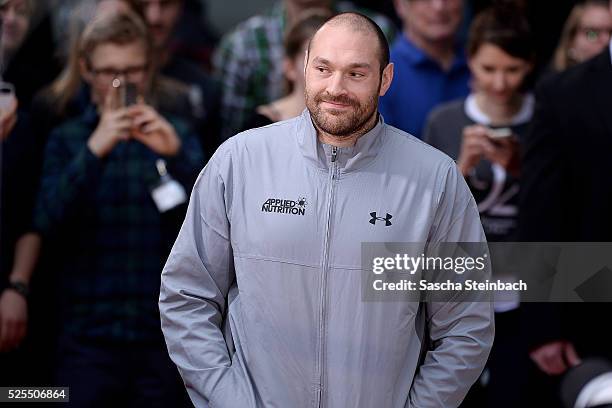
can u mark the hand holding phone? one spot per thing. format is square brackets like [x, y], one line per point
[153, 130]
[505, 151]
[500, 133]
[114, 126]
[127, 92]
[130, 94]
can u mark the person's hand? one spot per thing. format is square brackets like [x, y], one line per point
[114, 126]
[8, 118]
[152, 130]
[13, 319]
[504, 152]
[556, 357]
[473, 145]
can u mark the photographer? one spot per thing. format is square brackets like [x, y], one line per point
[113, 186]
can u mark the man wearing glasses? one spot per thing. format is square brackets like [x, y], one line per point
[113, 183]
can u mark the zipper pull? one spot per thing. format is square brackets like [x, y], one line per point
[334, 153]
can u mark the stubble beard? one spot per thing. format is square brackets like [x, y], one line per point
[341, 124]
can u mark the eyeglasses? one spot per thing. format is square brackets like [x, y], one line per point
[130, 73]
[593, 34]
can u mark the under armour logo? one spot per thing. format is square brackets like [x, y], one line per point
[386, 219]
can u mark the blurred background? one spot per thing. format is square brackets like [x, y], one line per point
[517, 92]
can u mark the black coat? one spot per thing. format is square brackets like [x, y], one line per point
[567, 189]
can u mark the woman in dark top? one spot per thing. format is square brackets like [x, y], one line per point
[296, 42]
[500, 56]
[483, 134]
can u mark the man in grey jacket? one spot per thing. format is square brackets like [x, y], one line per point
[261, 300]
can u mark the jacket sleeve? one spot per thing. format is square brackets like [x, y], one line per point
[460, 333]
[194, 287]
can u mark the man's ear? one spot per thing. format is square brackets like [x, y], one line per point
[85, 72]
[387, 78]
[305, 61]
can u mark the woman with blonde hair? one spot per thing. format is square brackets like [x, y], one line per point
[585, 34]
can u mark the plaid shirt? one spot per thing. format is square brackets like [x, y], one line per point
[248, 63]
[113, 241]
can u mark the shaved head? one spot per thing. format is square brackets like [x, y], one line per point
[347, 69]
[361, 24]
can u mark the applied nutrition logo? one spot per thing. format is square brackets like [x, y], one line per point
[283, 206]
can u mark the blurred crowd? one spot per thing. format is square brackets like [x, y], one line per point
[109, 109]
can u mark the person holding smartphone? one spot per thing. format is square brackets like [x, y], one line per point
[112, 196]
[483, 133]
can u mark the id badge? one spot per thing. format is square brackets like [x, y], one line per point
[168, 193]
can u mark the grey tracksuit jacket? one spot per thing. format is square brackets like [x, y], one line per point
[261, 295]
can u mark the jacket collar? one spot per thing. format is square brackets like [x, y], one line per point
[349, 159]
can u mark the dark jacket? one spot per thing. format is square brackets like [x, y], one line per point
[567, 185]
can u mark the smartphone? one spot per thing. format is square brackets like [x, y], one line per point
[500, 133]
[130, 94]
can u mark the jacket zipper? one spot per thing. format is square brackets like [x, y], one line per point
[325, 270]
